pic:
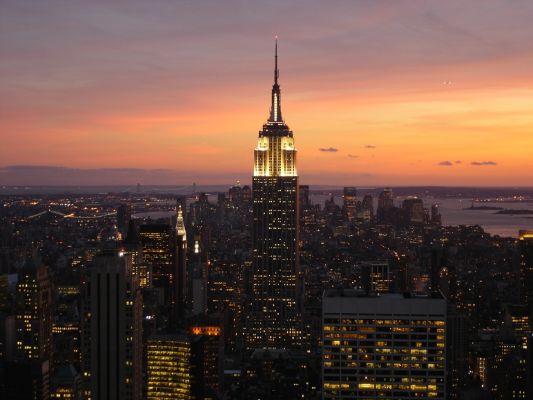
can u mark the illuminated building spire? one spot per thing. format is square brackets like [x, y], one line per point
[273, 317]
[180, 226]
[275, 108]
[276, 70]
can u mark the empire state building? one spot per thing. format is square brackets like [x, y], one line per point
[274, 317]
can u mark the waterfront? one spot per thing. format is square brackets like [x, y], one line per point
[454, 213]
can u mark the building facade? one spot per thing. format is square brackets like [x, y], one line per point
[168, 358]
[112, 330]
[349, 197]
[389, 346]
[180, 278]
[158, 256]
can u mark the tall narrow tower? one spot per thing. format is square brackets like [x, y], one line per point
[180, 268]
[274, 318]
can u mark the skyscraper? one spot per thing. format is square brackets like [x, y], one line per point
[112, 334]
[158, 257]
[180, 267]
[274, 318]
[414, 210]
[375, 276]
[132, 245]
[207, 338]
[34, 316]
[124, 213]
[168, 359]
[390, 346]
[29, 375]
[350, 202]
[385, 211]
[526, 267]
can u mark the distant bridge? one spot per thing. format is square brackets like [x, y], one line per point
[72, 215]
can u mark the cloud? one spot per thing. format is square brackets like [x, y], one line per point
[483, 163]
[458, 162]
[353, 156]
[370, 146]
[31, 175]
[445, 163]
[328, 149]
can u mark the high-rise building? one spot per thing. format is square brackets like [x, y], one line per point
[436, 217]
[158, 255]
[517, 322]
[168, 359]
[386, 199]
[112, 330]
[388, 346]
[198, 277]
[124, 214]
[246, 195]
[366, 212]
[34, 316]
[225, 294]
[350, 203]
[385, 211]
[66, 383]
[526, 267]
[132, 245]
[457, 353]
[207, 356]
[29, 374]
[375, 276]
[274, 318]
[180, 268]
[414, 210]
[304, 197]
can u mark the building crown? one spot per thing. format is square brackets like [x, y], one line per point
[180, 225]
[275, 107]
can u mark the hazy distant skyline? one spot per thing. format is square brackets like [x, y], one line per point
[377, 92]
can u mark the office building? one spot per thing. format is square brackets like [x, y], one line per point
[274, 319]
[27, 375]
[414, 212]
[366, 211]
[207, 341]
[34, 315]
[386, 211]
[526, 267]
[388, 346]
[124, 214]
[198, 277]
[350, 203]
[112, 330]
[158, 256]
[168, 359]
[304, 197]
[132, 245]
[180, 278]
[375, 276]
[66, 383]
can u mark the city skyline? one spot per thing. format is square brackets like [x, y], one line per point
[410, 93]
[372, 239]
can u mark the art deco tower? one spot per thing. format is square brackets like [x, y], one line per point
[274, 319]
[180, 268]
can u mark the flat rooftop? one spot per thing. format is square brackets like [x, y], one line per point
[352, 301]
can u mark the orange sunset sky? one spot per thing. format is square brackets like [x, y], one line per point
[377, 92]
